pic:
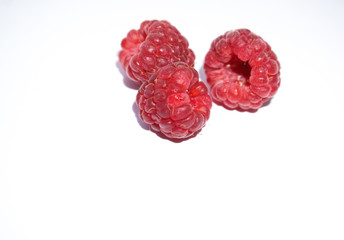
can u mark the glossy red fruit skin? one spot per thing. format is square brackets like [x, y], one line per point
[154, 45]
[242, 70]
[174, 101]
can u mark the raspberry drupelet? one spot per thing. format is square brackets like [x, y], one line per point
[154, 45]
[242, 70]
[174, 101]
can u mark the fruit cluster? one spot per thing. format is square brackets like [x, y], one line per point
[242, 72]
[171, 99]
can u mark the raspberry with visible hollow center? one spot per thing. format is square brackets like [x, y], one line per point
[154, 45]
[174, 101]
[242, 70]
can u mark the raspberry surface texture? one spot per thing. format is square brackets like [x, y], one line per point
[242, 70]
[155, 45]
[174, 101]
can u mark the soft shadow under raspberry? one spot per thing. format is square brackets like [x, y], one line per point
[175, 140]
[202, 75]
[126, 80]
[144, 125]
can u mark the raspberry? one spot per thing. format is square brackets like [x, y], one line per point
[174, 101]
[242, 70]
[154, 45]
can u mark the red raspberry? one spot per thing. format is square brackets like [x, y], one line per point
[242, 70]
[174, 101]
[154, 45]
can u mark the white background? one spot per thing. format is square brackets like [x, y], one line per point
[75, 162]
